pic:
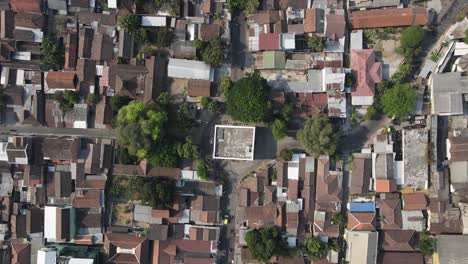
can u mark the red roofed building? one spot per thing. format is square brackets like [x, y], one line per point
[310, 21]
[361, 221]
[126, 248]
[269, 41]
[328, 190]
[414, 201]
[20, 251]
[367, 72]
[71, 49]
[335, 26]
[28, 6]
[389, 17]
[60, 81]
[385, 186]
[389, 205]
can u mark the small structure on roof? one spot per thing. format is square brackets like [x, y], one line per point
[234, 142]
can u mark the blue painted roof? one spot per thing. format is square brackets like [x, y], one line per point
[362, 207]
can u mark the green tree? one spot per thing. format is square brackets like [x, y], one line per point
[118, 102]
[93, 98]
[286, 154]
[399, 101]
[163, 37]
[164, 99]
[214, 52]
[67, 99]
[3, 100]
[248, 100]
[213, 106]
[129, 23]
[426, 244]
[141, 35]
[339, 219]
[200, 167]
[204, 101]
[164, 156]
[316, 43]
[371, 111]
[250, 6]
[266, 242]
[318, 137]
[410, 41]
[226, 85]
[286, 112]
[279, 129]
[187, 150]
[350, 80]
[139, 128]
[198, 44]
[51, 57]
[60, 25]
[465, 39]
[315, 248]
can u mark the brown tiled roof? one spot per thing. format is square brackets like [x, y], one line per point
[328, 189]
[62, 80]
[296, 28]
[139, 245]
[172, 173]
[21, 251]
[71, 49]
[86, 70]
[269, 41]
[209, 31]
[7, 24]
[85, 42]
[87, 199]
[414, 201]
[293, 189]
[389, 17]
[267, 17]
[399, 240]
[160, 213]
[14, 95]
[360, 176]
[206, 7]
[34, 220]
[336, 26]
[458, 148]
[199, 88]
[33, 6]
[102, 48]
[244, 197]
[361, 221]
[60, 148]
[87, 17]
[402, 258]
[29, 20]
[310, 21]
[262, 215]
[390, 211]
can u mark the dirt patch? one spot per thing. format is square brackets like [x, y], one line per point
[178, 89]
[391, 59]
[122, 214]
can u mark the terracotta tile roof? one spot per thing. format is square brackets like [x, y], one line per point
[390, 211]
[199, 88]
[267, 17]
[33, 6]
[385, 186]
[21, 251]
[388, 17]
[361, 221]
[367, 71]
[206, 7]
[399, 240]
[139, 245]
[87, 199]
[87, 17]
[86, 70]
[85, 40]
[71, 49]
[61, 80]
[262, 215]
[296, 28]
[171, 173]
[29, 20]
[402, 258]
[269, 41]
[335, 26]
[328, 189]
[414, 201]
[160, 213]
[360, 176]
[209, 31]
[293, 189]
[102, 48]
[310, 21]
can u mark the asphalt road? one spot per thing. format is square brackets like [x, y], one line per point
[58, 132]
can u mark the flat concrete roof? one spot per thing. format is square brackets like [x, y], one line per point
[234, 142]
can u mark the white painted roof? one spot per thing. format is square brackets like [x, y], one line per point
[190, 69]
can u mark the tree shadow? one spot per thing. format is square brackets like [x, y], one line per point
[265, 144]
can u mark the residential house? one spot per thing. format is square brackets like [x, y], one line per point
[60, 149]
[270, 60]
[402, 257]
[399, 240]
[209, 32]
[19, 150]
[361, 174]
[414, 201]
[323, 226]
[448, 90]
[120, 247]
[20, 251]
[199, 88]
[361, 221]
[371, 4]
[60, 81]
[413, 220]
[328, 186]
[389, 17]
[415, 144]
[190, 251]
[367, 73]
[188, 69]
[389, 205]
[205, 210]
[71, 49]
[314, 21]
[362, 247]
[59, 224]
[127, 80]
[33, 6]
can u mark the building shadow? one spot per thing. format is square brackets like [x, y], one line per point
[265, 144]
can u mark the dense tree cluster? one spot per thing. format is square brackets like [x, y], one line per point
[67, 99]
[317, 137]
[263, 243]
[410, 42]
[51, 54]
[249, 6]
[213, 52]
[248, 100]
[399, 101]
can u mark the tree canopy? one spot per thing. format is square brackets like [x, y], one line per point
[315, 248]
[279, 129]
[316, 43]
[248, 99]
[249, 6]
[410, 41]
[51, 56]
[399, 101]
[163, 37]
[117, 102]
[129, 22]
[263, 243]
[317, 137]
[214, 52]
[139, 127]
[67, 99]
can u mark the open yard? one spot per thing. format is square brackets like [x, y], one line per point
[122, 214]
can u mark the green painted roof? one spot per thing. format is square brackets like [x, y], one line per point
[274, 59]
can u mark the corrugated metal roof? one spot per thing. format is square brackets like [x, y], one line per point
[189, 69]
